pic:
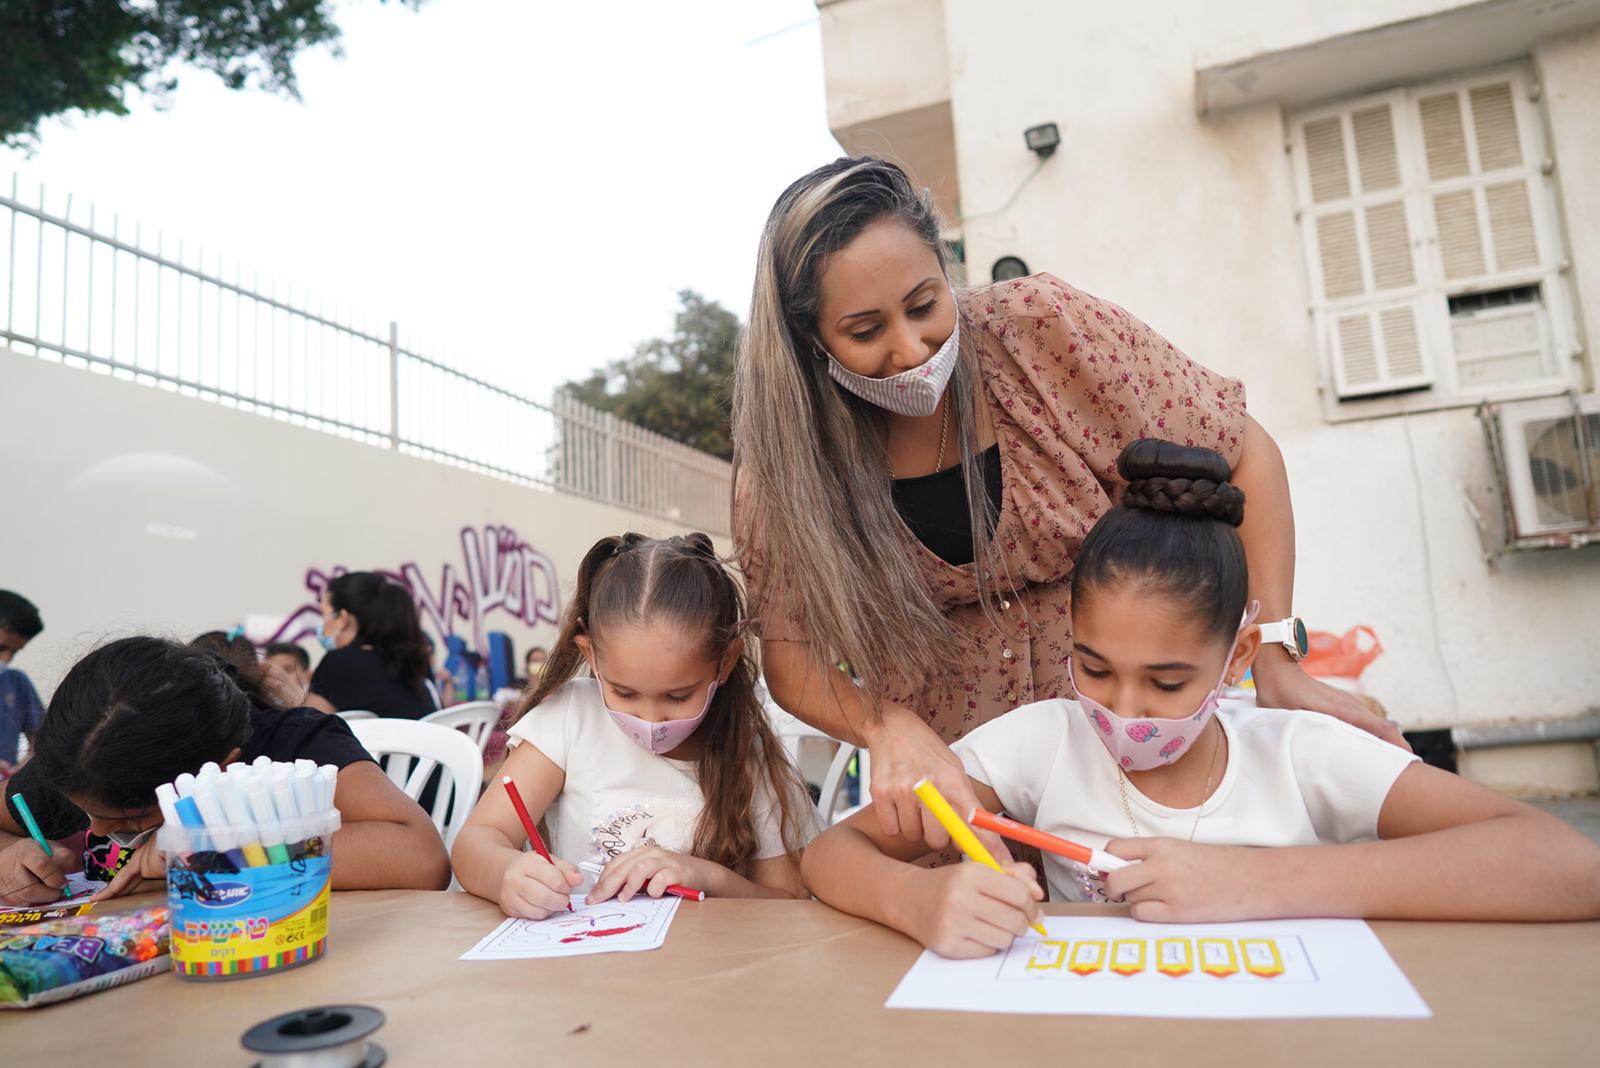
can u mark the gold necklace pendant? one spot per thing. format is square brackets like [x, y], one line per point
[1211, 775]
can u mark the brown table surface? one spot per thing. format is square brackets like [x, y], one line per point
[787, 982]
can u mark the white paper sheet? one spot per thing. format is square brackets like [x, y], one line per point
[609, 927]
[1116, 966]
[79, 890]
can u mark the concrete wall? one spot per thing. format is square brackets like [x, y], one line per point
[130, 509]
[1189, 224]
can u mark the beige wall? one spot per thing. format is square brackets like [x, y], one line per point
[1189, 224]
[131, 509]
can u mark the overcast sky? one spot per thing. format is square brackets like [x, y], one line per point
[523, 186]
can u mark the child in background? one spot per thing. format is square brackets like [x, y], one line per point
[1146, 766]
[293, 662]
[661, 766]
[138, 712]
[20, 708]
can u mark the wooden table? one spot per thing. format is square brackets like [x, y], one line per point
[780, 982]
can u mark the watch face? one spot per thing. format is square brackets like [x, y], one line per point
[1302, 640]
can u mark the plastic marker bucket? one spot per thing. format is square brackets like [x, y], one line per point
[230, 919]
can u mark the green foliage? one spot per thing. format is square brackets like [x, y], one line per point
[58, 56]
[677, 386]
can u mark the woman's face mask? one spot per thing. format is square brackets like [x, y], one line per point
[915, 392]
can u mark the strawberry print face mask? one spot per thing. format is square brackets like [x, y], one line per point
[1142, 744]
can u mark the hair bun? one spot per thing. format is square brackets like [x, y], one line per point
[1164, 476]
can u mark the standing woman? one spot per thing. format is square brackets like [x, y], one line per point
[915, 470]
[377, 659]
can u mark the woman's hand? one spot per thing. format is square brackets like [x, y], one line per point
[29, 877]
[650, 870]
[533, 888]
[1284, 684]
[905, 750]
[147, 862]
[971, 910]
[1182, 882]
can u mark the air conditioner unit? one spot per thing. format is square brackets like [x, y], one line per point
[1552, 464]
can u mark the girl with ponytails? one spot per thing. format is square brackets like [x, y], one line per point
[644, 747]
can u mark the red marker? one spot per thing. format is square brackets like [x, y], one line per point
[527, 821]
[687, 893]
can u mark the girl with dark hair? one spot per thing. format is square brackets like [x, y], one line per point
[644, 744]
[916, 467]
[377, 659]
[140, 711]
[1147, 766]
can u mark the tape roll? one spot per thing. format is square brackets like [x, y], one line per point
[329, 1036]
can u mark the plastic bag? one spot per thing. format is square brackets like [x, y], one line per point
[1343, 656]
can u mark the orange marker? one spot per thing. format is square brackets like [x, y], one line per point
[1006, 827]
[527, 821]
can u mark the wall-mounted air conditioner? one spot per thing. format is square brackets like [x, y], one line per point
[1550, 450]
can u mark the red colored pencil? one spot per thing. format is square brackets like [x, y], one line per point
[527, 821]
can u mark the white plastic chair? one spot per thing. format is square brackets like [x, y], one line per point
[790, 730]
[353, 714]
[476, 719]
[413, 750]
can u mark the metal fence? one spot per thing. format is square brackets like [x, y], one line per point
[169, 318]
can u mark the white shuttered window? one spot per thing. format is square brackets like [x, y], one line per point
[1434, 257]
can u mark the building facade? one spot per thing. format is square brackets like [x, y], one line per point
[1385, 218]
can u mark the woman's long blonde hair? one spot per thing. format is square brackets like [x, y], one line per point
[811, 468]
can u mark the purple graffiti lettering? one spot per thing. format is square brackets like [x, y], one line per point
[500, 573]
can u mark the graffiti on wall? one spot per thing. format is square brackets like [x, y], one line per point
[499, 573]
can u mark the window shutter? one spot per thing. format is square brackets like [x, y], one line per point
[1485, 227]
[1363, 244]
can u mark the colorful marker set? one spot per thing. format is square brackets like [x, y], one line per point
[249, 866]
[255, 814]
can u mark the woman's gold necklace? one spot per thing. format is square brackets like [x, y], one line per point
[944, 433]
[1211, 773]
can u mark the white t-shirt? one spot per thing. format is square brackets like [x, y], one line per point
[1293, 778]
[618, 796]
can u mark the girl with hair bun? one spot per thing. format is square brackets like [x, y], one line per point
[644, 745]
[1146, 765]
[916, 467]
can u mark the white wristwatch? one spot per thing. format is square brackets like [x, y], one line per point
[1289, 633]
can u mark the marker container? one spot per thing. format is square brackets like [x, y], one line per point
[232, 918]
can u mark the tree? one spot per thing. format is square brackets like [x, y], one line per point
[58, 56]
[677, 386]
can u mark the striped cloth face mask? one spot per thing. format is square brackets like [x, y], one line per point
[913, 392]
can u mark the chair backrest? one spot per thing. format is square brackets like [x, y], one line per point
[791, 730]
[476, 719]
[414, 749]
[353, 714]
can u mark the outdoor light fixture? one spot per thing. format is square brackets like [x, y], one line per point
[1042, 139]
[1008, 267]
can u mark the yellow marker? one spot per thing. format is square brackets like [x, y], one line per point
[254, 855]
[960, 833]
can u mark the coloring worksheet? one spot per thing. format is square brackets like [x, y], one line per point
[1117, 966]
[609, 927]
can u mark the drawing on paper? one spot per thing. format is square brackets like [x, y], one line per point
[1194, 960]
[610, 926]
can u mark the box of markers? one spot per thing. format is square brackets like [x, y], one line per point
[249, 867]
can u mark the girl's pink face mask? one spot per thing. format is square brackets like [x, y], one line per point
[1142, 744]
[657, 738]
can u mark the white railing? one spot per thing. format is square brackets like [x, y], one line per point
[103, 300]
